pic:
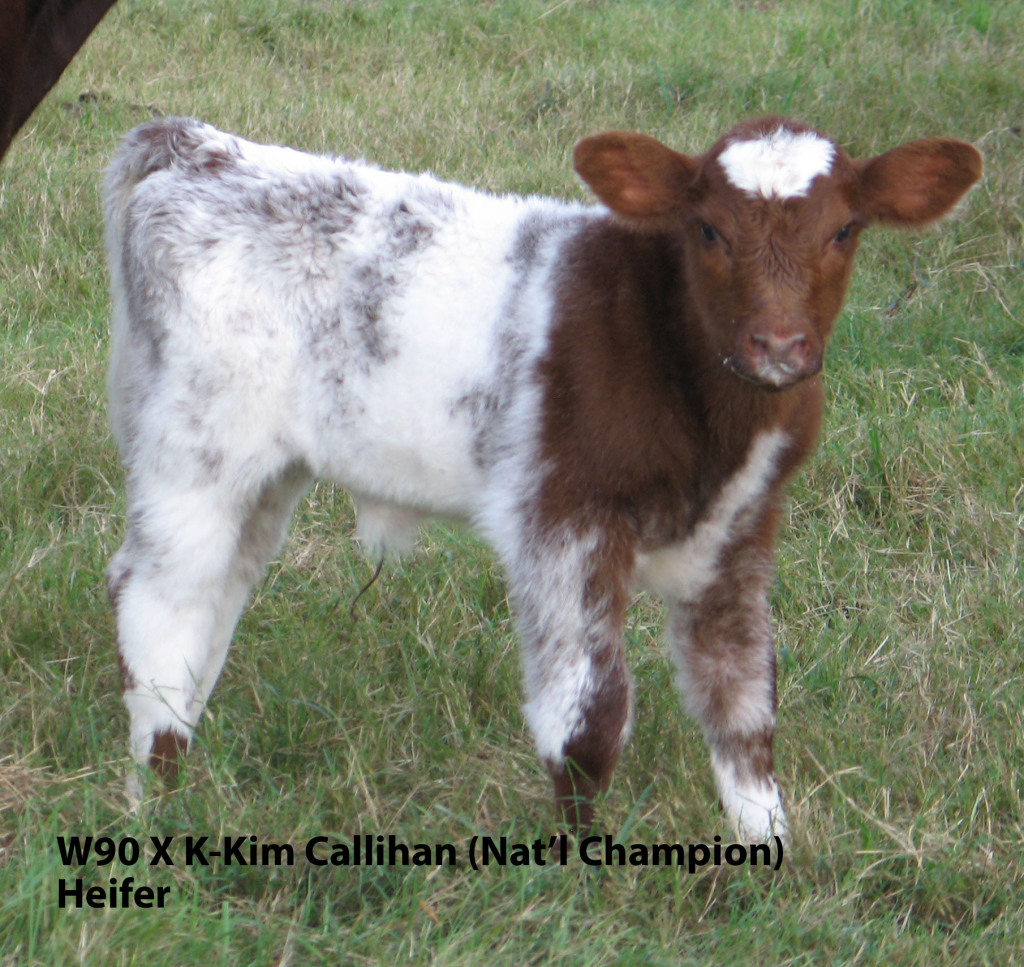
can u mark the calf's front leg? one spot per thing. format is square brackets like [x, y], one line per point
[723, 650]
[568, 593]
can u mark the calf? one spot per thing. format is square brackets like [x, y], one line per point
[612, 395]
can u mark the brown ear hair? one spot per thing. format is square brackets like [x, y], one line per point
[636, 176]
[917, 182]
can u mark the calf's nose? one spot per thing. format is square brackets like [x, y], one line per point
[778, 358]
[780, 349]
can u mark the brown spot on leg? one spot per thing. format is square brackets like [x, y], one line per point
[165, 756]
[593, 752]
[127, 679]
[750, 755]
[576, 787]
[115, 584]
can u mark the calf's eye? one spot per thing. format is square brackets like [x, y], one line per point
[707, 232]
[843, 234]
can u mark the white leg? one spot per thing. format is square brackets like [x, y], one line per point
[178, 585]
[260, 538]
[167, 583]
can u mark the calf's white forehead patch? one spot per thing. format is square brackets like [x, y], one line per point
[778, 165]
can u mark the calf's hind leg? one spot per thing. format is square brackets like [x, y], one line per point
[178, 585]
[263, 531]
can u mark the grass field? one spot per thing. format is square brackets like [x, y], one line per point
[897, 606]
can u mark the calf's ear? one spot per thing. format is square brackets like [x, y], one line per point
[917, 182]
[636, 176]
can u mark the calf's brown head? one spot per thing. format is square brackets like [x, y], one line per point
[767, 223]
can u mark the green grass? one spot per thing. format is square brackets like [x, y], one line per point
[897, 605]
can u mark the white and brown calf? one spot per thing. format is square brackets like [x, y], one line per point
[612, 395]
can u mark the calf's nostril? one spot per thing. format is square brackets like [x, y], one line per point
[777, 346]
